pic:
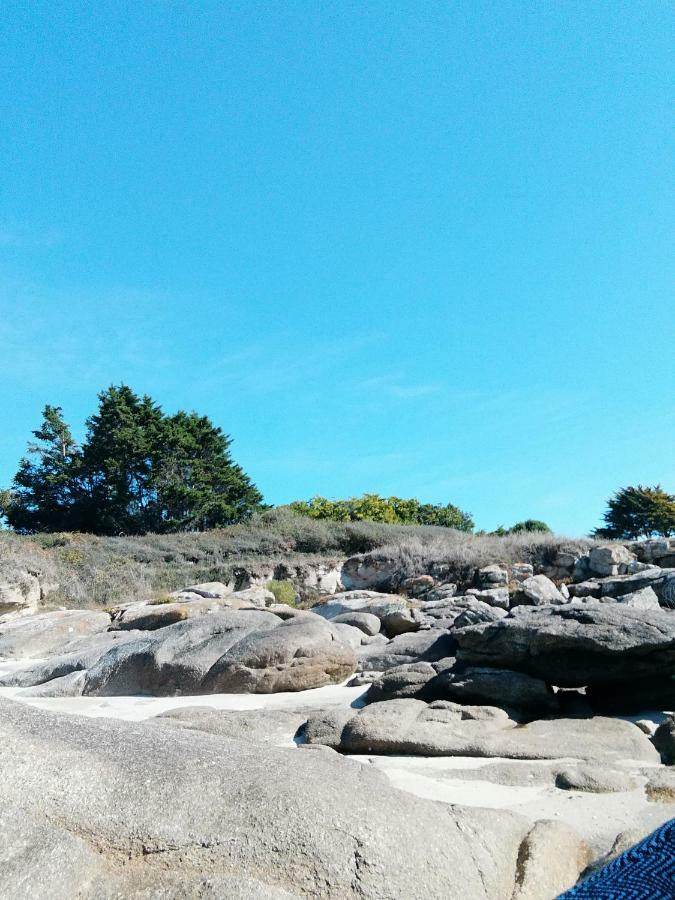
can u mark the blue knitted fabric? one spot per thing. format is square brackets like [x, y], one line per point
[645, 872]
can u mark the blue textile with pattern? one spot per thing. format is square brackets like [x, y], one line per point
[645, 872]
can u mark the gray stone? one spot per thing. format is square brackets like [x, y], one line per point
[298, 655]
[148, 617]
[421, 646]
[540, 591]
[661, 580]
[521, 571]
[175, 659]
[497, 687]
[491, 596]
[402, 621]
[351, 636]
[608, 559]
[660, 787]
[45, 633]
[418, 585]
[408, 680]
[573, 646]
[74, 656]
[442, 592]
[210, 590]
[410, 727]
[371, 602]
[551, 859]
[267, 726]
[368, 623]
[585, 589]
[595, 779]
[70, 685]
[664, 740]
[256, 596]
[477, 613]
[172, 812]
[492, 576]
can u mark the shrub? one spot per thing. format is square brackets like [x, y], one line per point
[389, 510]
[284, 591]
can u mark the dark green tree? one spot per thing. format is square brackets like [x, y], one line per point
[137, 471]
[197, 483]
[639, 512]
[44, 490]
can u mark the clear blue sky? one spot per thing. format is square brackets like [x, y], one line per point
[420, 248]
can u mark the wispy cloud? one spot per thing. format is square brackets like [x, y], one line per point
[395, 386]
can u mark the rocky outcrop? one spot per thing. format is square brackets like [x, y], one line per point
[46, 633]
[232, 650]
[551, 859]
[372, 602]
[121, 809]
[448, 729]
[573, 646]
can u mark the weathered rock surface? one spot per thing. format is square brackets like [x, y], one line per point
[228, 651]
[498, 597]
[448, 729]
[608, 559]
[660, 787]
[166, 812]
[420, 646]
[368, 623]
[664, 740]
[572, 646]
[497, 687]
[269, 726]
[551, 859]
[371, 602]
[661, 580]
[405, 681]
[595, 779]
[46, 633]
[541, 591]
[297, 655]
[74, 656]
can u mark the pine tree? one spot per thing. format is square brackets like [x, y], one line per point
[44, 491]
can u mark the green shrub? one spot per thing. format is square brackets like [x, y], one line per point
[386, 510]
[284, 591]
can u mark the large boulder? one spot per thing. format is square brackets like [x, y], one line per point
[538, 590]
[370, 572]
[46, 633]
[121, 809]
[299, 655]
[371, 602]
[420, 646]
[496, 687]
[76, 656]
[661, 580]
[366, 622]
[609, 559]
[175, 659]
[551, 859]
[411, 727]
[573, 646]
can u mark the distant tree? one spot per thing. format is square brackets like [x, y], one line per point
[529, 525]
[45, 487]
[639, 512]
[392, 510]
[138, 470]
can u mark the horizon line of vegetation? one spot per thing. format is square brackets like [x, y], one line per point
[139, 470]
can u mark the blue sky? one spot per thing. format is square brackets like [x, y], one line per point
[414, 248]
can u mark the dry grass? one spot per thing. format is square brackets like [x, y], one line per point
[104, 571]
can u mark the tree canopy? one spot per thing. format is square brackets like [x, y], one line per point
[639, 512]
[138, 470]
[392, 510]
